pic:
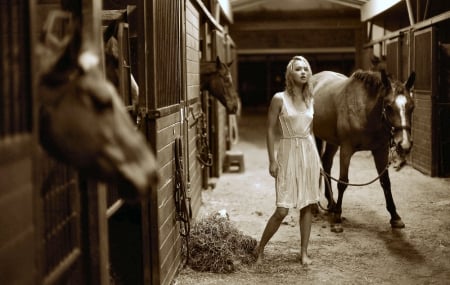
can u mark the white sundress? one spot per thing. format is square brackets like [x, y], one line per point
[298, 180]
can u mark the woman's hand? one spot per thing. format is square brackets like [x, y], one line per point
[273, 169]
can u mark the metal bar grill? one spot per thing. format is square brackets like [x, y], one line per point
[61, 208]
[168, 51]
[15, 99]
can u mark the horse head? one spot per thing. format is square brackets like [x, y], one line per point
[398, 106]
[112, 65]
[215, 77]
[83, 122]
[111, 48]
[378, 63]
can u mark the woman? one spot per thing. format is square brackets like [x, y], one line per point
[296, 168]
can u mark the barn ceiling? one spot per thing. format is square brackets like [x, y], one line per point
[252, 5]
[367, 8]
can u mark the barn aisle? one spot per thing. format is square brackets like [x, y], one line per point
[367, 252]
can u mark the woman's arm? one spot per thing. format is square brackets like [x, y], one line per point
[272, 121]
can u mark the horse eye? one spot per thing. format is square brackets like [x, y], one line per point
[388, 107]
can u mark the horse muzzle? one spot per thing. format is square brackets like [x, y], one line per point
[402, 139]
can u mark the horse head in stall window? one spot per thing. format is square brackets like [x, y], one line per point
[215, 77]
[83, 121]
[113, 65]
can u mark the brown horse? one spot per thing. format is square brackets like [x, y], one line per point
[366, 111]
[113, 66]
[215, 77]
[82, 120]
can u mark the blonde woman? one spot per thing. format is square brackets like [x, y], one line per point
[296, 166]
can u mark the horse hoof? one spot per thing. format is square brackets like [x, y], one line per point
[397, 224]
[336, 228]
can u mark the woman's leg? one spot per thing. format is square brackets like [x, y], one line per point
[271, 228]
[305, 231]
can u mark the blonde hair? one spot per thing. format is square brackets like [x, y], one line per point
[289, 81]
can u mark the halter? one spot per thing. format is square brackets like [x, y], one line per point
[392, 128]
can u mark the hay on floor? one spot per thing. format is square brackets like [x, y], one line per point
[216, 245]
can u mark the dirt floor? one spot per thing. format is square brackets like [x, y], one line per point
[367, 252]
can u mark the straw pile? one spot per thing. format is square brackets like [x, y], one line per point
[216, 245]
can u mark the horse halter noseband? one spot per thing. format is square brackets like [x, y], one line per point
[390, 126]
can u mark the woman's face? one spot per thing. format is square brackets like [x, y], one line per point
[300, 72]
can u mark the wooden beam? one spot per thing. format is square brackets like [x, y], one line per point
[352, 4]
[204, 10]
[339, 24]
[244, 4]
[376, 7]
[410, 12]
[297, 50]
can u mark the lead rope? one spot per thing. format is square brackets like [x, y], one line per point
[182, 201]
[327, 175]
[204, 155]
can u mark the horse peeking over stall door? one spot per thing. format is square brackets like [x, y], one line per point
[113, 67]
[215, 77]
[366, 111]
[82, 120]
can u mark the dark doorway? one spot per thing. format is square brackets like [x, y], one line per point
[261, 76]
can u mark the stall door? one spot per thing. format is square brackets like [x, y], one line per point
[424, 152]
[218, 113]
[443, 111]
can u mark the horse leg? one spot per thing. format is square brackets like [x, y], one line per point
[381, 158]
[327, 163]
[344, 163]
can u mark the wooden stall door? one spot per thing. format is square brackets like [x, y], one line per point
[424, 154]
[17, 143]
[393, 58]
[443, 111]
[217, 113]
[398, 57]
[161, 77]
[126, 251]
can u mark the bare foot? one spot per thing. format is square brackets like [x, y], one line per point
[259, 254]
[306, 260]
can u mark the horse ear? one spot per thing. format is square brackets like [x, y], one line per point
[375, 60]
[385, 79]
[218, 63]
[57, 53]
[410, 82]
[110, 31]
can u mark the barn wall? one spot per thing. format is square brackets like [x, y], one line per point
[194, 104]
[421, 48]
[167, 130]
[165, 123]
[182, 123]
[184, 120]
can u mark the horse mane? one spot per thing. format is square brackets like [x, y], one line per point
[370, 79]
